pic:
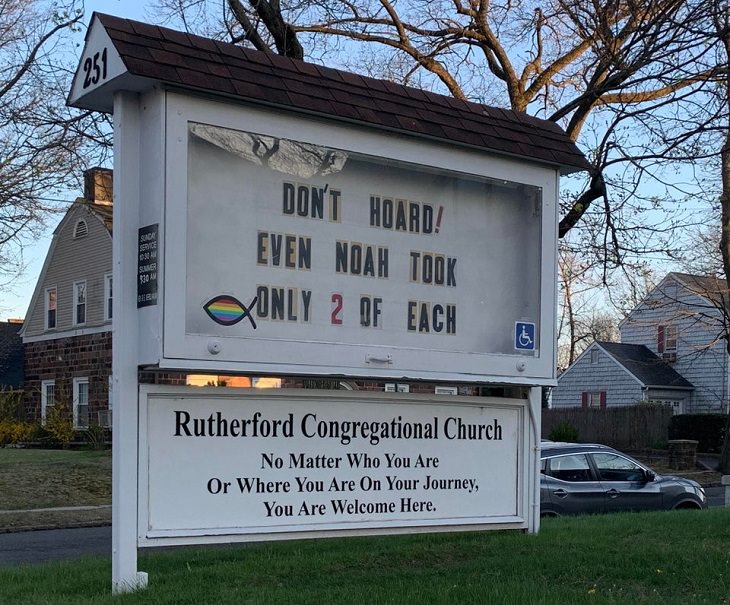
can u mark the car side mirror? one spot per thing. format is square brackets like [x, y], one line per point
[649, 476]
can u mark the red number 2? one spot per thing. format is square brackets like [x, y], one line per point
[337, 301]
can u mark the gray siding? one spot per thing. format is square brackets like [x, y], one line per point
[605, 375]
[87, 258]
[701, 356]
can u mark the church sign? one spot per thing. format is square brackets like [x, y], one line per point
[278, 218]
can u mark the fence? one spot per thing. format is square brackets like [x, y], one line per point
[626, 427]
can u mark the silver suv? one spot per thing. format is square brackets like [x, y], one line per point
[589, 478]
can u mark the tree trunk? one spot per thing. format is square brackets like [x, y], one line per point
[723, 28]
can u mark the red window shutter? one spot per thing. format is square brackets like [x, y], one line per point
[584, 400]
[603, 400]
[660, 339]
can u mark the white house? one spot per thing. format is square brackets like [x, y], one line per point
[672, 350]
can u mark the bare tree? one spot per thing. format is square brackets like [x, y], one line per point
[721, 22]
[44, 146]
[627, 79]
[583, 315]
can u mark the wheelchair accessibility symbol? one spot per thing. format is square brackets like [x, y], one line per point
[524, 336]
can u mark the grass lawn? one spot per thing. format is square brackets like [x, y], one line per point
[31, 479]
[664, 558]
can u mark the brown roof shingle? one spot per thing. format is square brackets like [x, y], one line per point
[188, 61]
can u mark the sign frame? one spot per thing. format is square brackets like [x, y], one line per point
[301, 397]
[203, 352]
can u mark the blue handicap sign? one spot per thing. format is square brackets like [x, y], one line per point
[524, 336]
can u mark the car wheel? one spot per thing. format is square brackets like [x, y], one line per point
[687, 505]
[548, 513]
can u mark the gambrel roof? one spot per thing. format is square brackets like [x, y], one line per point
[81, 210]
[645, 366]
[152, 54]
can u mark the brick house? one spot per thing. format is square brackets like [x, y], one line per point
[11, 355]
[672, 350]
[67, 329]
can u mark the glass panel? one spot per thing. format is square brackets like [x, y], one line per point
[109, 295]
[670, 338]
[80, 302]
[81, 401]
[574, 467]
[83, 416]
[50, 394]
[51, 308]
[376, 251]
[617, 468]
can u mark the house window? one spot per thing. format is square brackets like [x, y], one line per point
[108, 297]
[667, 339]
[79, 303]
[446, 391]
[81, 403]
[593, 399]
[81, 229]
[594, 356]
[50, 308]
[48, 398]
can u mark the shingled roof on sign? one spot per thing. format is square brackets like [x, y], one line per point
[181, 60]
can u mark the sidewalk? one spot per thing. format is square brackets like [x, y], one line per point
[58, 509]
[708, 461]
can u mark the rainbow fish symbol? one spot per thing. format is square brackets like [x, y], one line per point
[228, 311]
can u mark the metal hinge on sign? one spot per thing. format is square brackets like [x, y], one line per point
[378, 358]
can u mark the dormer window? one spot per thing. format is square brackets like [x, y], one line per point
[81, 229]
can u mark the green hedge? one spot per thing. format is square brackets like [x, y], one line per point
[708, 429]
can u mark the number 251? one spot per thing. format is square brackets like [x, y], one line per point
[95, 69]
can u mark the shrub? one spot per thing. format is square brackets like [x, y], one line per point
[10, 405]
[59, 423]
[16, 432]
[708, 429]
[95, 437]
[564, 432]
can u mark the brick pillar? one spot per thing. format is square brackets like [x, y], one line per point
[682, 454]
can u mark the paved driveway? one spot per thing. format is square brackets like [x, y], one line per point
[54, 545]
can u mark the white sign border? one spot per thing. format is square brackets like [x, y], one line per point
[183, 351]
[147, 538]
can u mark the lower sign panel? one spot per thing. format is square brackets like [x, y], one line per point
[236, 465]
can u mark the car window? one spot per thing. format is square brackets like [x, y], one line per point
[573, 467]
[617, 468]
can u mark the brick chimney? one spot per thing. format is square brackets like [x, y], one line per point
[98, 186]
